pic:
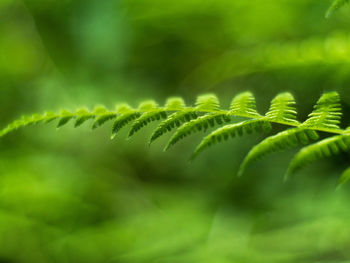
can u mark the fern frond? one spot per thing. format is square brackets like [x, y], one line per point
[232, 130]
[28, 120]
[201, 123]
[281, 141]
[175, 114]
[326, 113]
[283, 109]
[337, 4]
[207, 102]
[325, 148]
[244, 105]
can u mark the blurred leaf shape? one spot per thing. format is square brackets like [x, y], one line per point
[337, 4]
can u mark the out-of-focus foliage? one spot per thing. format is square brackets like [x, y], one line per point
[72, 196]
[335, 6]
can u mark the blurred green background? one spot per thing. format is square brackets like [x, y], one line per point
[75, 196]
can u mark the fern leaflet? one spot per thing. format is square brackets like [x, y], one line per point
[207, 102]
[174, 120]
[327, 112]
[201, 123]
[283, 140]
[244, 105]
[283, 109]
[82, 116]
[325, 148]
[147, 118]
[233, 130]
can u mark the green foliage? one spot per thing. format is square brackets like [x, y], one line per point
[102, 115]
[326, 115]
[233, 130]
[76, 197]
[327, 112]
[322, 149]
[335, 6]
[282, 109]
[146, 118]
[122, 121]
[345, 177]
[207, 113]
[174, 120]
[244, 105]
[201, 123]
[84, 115]
[207, 102]
[281, 141]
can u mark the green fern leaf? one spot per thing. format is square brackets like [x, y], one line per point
[325, 148]
[283, 140]
[103, 115]
[126, 115]
[148, 105]
[232, 130]
[283, 109]
[175, 104]
[325, 117]
[49, 117]
[65, 117]
[201, 123]
[122, 121]
[145, 119]
[82, 116]
[151, 113]
[337, 4]
[244, 105]
[102, 119]
[326, 113]
[207, 102]
[34, 119]
[174, 120]
[28, 120]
